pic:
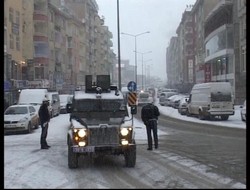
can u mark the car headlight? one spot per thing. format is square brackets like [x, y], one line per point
[23, 120]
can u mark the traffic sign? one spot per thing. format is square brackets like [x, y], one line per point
[132, 98]
[132, 86]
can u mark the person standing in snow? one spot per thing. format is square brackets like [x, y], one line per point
[149, 116]
[44, 119]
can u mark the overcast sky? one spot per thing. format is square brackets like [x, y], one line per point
[160, 17]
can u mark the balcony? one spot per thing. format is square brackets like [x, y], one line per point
[40, 17]
[40, 38]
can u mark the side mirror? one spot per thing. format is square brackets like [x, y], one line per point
[133, 109]
[69, 108]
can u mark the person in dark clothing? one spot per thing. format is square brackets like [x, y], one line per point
[149, 116]
[44, 119]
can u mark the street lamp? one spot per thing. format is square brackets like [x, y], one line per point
[135, 36]
[142, 53]
[147, 71]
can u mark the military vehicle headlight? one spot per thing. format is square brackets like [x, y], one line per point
[81, 133]
[124, 142]
[125, 131]
[82, 143]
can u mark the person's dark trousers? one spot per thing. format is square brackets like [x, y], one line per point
[148, 127]
[44, 134]
[152, 126]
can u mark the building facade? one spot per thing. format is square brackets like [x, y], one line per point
[219, 46]
[53, 44]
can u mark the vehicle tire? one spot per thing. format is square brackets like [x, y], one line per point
[224, 117]
[201, 116]
[211, 117]
[29, 128]
[188, 113]
[37, 124]
[72, 158]
[130, 157]
[242, 118]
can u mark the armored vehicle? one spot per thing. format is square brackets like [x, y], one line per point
[101, 123]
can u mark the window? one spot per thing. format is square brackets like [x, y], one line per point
[18, 43]
[17, 17]
[243, 58]
[11, 14]
[11, 41]
[39, 72]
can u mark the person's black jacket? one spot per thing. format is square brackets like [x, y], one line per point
[149, 111]
[44, 113]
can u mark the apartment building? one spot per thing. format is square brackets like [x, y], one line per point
[13, 40]
[200, 11]
[54, 44]
[219, 44]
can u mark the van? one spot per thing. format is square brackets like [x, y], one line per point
[54, 105]
[208, 100]
[32, 96]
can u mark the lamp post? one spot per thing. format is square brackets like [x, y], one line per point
[147, 73]
[142, 53]
[135, 36]
[119, 54]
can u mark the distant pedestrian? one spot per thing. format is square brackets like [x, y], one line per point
[44, 120]
[149, 116]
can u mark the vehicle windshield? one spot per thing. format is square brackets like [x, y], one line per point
[98, 111]
[16, 110]
[99, 105]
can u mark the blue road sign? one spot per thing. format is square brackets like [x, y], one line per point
[132, 86]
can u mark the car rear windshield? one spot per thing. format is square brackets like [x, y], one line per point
[221, 97]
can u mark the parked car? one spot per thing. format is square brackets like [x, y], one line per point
[243, 112]
[174, 102]
[20, 118]
[32, 96]
[171, 99]
[64, 99]
[164, 97]
[182, 109]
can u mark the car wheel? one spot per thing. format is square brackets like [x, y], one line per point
[29, 128]
[130, 157]
[37, 124]
[224, 117]
[72, 158]
[201, 116]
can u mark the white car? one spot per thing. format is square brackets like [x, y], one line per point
[19, 118]
[144, 98]
[243, 112]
